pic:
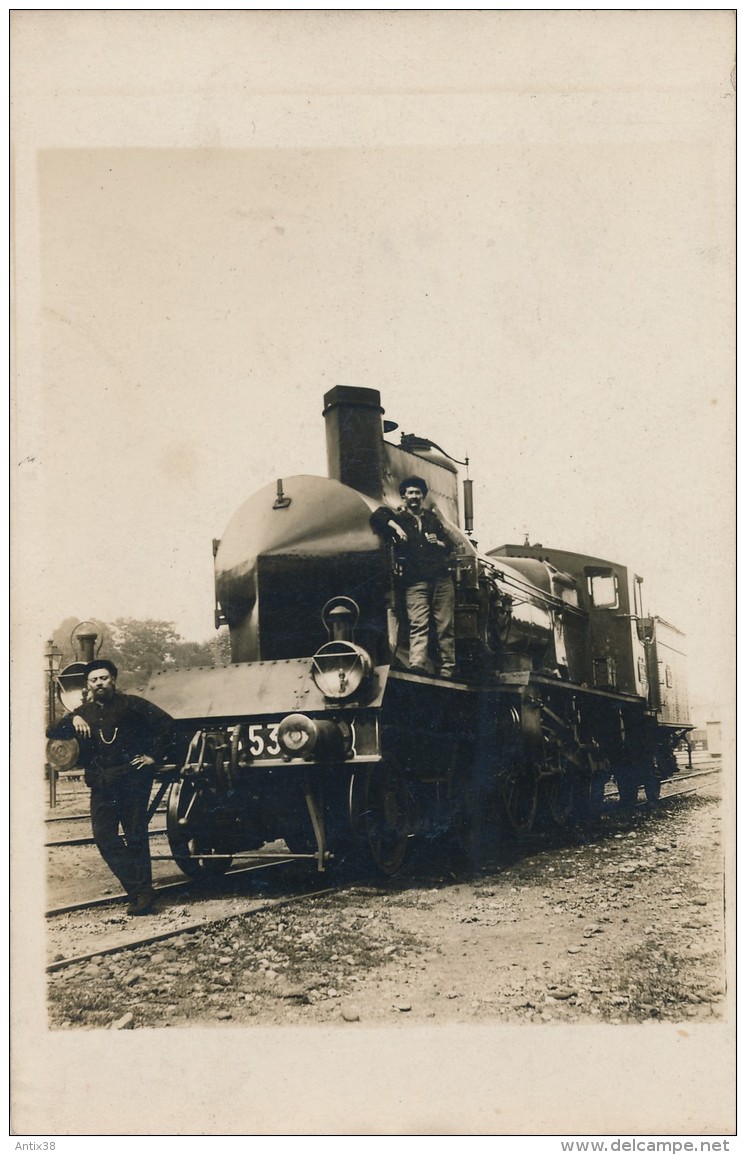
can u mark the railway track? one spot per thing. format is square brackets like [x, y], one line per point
[88, 841]
[188, 928]
[705, 772]
[668, 787]
[255, 906]
[185, 885]
[129, 941]
[86, 817]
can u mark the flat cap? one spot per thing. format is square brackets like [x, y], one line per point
[101, 664]
[408, 482]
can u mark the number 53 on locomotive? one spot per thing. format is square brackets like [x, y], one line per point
[319, 734]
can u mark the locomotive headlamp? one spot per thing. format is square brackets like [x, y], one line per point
[304, 737]
[339, 669]
[62, 753]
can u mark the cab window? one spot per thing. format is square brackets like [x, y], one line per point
[603, 589]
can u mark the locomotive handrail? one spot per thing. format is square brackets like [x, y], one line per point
[528, 588]
[166, 768]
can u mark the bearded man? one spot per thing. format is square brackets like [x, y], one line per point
[122, 739]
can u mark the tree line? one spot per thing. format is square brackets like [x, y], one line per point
[141, 647]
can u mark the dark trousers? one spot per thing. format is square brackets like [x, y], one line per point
[124, 802]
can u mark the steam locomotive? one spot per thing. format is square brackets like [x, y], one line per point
[320, 735]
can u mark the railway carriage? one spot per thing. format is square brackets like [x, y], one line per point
[319, 734]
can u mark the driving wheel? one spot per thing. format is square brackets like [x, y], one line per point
[627, 783]
[194, 843]
[557, 786]
[380, 815]
[519, 794]
[476, 822]
[558, 791]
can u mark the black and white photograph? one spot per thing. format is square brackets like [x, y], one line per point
[373, 573]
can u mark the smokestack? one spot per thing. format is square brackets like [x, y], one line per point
[87, 644]
[354, 438]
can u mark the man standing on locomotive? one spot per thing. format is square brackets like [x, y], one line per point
[121, 738]
[424, 548]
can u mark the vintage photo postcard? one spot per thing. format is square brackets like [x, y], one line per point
[372, 573]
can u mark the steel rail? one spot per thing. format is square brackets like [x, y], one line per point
[190, 928]
[92, 841]
[677, 794]
[613, 793]
[84, 817]
[689, 789]
[166, 888]
[694, 774]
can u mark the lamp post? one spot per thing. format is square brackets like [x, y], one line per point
[53, 657]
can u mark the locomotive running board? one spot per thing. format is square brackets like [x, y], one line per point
[247, 690]
[434, 680]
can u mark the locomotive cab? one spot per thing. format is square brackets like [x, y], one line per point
[604, 645]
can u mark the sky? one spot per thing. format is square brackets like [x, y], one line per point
[519, 230]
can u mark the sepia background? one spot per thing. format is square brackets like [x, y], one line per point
[518, 226]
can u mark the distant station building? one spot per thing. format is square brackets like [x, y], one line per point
[714, 739]
[708, 738]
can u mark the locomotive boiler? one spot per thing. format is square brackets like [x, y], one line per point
[320, 735]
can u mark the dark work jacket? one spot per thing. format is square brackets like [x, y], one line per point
[121, 728]
[420, 561]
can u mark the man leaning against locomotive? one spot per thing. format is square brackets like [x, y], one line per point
[122, 738]
[422, 549]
